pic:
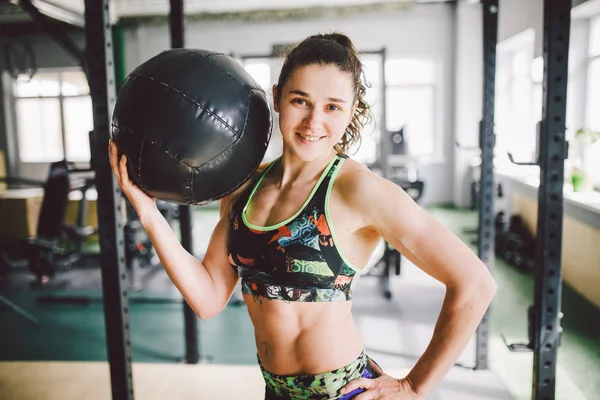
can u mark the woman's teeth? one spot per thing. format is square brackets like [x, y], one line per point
[309, 138]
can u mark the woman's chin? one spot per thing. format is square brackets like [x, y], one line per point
[309, 154]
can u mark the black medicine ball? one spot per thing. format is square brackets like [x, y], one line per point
[193, 124]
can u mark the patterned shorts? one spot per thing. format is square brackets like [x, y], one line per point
[321, 386]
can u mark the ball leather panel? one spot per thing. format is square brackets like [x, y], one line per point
[246, 151]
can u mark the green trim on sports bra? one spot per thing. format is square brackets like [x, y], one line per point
[290, 219]
[328, 218]
[298, 261]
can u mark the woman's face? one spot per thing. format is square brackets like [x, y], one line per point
[316, 106]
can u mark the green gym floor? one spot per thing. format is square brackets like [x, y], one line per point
[76, 332]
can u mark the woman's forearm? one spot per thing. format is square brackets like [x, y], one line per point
[186, 272]
[461, 313]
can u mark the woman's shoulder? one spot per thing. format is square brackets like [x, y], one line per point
[228, 201]
[354, 177]
[360, 187]
[367, 194]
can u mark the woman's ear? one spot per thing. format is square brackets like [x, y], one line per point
[354, 107]
[275, 99]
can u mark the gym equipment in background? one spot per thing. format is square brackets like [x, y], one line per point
[56, 246]
[405, 175]
[515, 243]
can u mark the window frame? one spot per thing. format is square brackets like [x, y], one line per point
[438, 137]
[274, 63]
[374, 132]
[509, 51]
[594, 26]
[61, 101]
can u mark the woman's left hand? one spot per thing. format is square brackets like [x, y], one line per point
[384, 387]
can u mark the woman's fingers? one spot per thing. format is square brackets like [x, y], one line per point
[113, 154]
[134, 194]
[119, 166]
[359, 383]
[123, 169]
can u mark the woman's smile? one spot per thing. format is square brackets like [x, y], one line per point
[309, 138]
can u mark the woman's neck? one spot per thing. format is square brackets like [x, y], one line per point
[292, 170]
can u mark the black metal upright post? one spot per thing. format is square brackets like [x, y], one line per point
[485, 244]
[552, 153]
[192, 351]
[100, 72]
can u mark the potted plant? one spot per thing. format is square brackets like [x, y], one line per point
[581, 142]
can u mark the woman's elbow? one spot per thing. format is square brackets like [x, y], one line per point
[476, 291]
[491, 288]
[205, 314]
[483, 290]
[208, 312]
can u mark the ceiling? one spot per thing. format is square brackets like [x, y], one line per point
[71, 11]
[147, 7]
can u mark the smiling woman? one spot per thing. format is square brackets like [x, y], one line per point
[299, 233]
[316, 105]
[302, 231]
[346, 91]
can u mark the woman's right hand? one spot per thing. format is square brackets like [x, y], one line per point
[139, 200]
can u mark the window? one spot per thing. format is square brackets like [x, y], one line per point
[410, 98]
[518, 104]
[592, 156]
[54, 116]
[263, 70]
[537, 77]
[520, 94]
[594, 49]
[410, 104]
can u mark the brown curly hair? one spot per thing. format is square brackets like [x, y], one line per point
[332, 49]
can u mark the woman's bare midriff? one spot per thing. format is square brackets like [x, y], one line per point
[303, 338]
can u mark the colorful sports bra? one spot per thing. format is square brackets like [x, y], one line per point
[297, 259]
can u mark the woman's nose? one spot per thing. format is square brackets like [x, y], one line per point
[313, 119]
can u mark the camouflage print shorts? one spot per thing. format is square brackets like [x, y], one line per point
[321, 386]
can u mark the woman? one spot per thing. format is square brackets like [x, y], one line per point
[299, 232]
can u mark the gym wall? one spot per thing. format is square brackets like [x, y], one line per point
[451, 35]
[425, 30]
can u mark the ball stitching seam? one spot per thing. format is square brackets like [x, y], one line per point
[190, 99]
[140, 161]
[227, 72]
[171, 155]
[209, 55]
[237, 138]
[152, 143]
[247, 113]
[191, 194]
[233, 144]
[188, 165]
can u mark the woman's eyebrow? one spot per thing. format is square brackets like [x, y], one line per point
[304, 94]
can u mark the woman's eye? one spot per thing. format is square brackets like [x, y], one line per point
[333, 107]
[301, 102]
